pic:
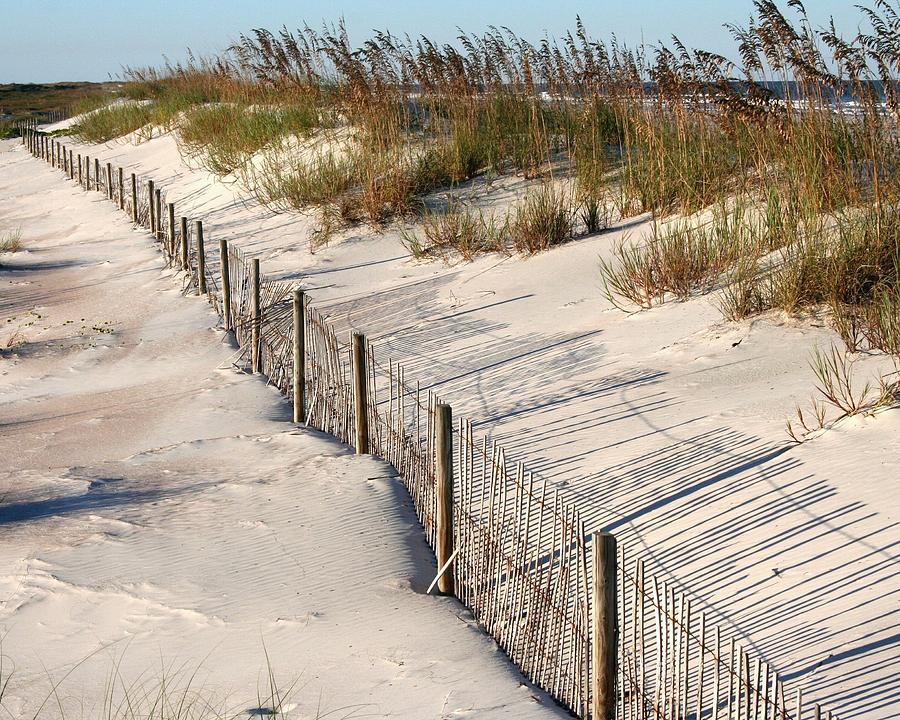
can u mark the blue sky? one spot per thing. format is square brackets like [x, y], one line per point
[58, 40]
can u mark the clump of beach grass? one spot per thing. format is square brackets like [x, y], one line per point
[544, 218]
[11, 241]
[455, 229]
[839, 395]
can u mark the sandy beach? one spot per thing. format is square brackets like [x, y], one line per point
[163, 522]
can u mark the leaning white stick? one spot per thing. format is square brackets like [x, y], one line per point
[442, 571]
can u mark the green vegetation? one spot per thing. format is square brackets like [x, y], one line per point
[37, 100]
[11, 241]
[782, 167]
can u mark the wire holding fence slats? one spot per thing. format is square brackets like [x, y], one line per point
[522, 552]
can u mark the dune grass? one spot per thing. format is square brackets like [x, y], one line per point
[11, 242]
[839, 395]
[172, 691]
[786, 191]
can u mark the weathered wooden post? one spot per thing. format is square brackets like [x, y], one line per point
[134, 199]
[443, 455]
[53, 153]
[170, 243]
[71, 165]
[256, 317]
[360, 396]
[97, 174]
[87, 172]
[121, 189]
[604, 599]
[152, 217]
[185, 246]
[299, 355]
[79, 168]
[157, 202]
[109, 185]
[201, 258]
[226, 283]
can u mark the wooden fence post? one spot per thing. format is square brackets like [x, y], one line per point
[360, 396]
[201, 258]
[121, 190]
[97, 174]
[157, 201]
[226, 283]
[87, 172]
[443, 455]
[79, 168]
[134, 199]
[109, 185]
[299, 355]
[256, 317]
[71, 164]
[185, 246]
[170, 243]
[604, 600]
[152, 217]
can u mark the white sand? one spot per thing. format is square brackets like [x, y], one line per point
[667, 426]
[159, 515]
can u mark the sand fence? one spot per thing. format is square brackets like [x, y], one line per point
[576, 613]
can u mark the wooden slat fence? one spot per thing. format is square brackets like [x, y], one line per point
[523, 556]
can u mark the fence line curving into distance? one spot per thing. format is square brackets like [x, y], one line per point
[575, 612]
